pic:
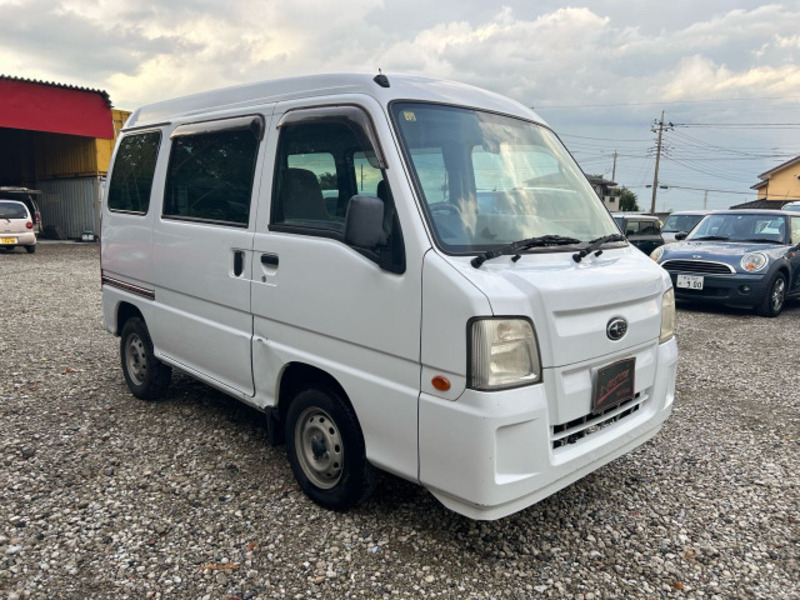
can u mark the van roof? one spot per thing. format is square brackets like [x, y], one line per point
[402, 87]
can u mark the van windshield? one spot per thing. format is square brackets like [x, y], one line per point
[488, 180]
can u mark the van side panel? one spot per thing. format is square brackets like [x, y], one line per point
[202, 319]
[320, 302]
[202, 269]
[126, 242]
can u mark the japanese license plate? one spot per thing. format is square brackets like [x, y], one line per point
[690, 282]
[8, 240]
[613, 384]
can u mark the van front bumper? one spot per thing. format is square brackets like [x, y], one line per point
[490, 454]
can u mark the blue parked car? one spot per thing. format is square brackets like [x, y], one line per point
[748, 258]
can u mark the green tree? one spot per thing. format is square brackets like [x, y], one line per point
[327, 181]
[627, 200]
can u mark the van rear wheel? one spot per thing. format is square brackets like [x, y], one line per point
[325, 447]
[30, 249]
[147, 377]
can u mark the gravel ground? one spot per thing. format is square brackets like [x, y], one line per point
[105, 496]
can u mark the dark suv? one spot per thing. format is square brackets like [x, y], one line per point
[28, 198]
[643, 231]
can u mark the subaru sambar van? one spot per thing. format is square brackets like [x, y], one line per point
[404, 274]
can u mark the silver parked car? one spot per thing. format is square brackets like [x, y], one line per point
[16, 226]
[681, 221]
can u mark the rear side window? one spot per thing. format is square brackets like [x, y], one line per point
[210, 175]
[132, 177]
[649, 228]
[632, 228]
[13, 210]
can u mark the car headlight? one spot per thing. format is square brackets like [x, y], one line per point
[753, 262]
[667, 316]
[503, 354]
[657, 253]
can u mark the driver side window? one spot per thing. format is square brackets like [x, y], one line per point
[323, 160]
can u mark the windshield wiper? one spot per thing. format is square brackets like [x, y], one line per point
[763, 241]
[514, 247]
[720, 238]
[595, 245]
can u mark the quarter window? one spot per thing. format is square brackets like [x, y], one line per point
[210, 176]
[132, 177]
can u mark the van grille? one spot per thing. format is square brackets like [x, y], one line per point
[569, 433]
[698, 266]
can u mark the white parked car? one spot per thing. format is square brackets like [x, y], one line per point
[681, 221]
[16, 226]
[457, 307]
[791, 206]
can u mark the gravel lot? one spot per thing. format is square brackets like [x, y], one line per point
[106, 496]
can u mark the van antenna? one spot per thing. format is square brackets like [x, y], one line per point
[381, 79]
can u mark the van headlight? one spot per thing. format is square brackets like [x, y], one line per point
[503, 353]
[667, 316]
[657, 253]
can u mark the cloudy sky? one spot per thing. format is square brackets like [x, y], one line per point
[727, 74]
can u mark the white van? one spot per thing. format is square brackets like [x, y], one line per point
[404, 274]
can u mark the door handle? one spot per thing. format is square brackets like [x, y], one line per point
[269, 259]
[238, 263]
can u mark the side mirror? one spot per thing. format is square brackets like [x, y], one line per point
[681, 235]
[363, 225]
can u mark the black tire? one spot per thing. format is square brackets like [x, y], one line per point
[325, 447]
[774, 300]
[147, 377]
[30, 249]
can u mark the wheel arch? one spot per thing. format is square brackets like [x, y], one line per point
[295, 377]
[126, 311]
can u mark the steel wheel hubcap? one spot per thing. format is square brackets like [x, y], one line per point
[136, 359]
[319, 448]
[777, 294]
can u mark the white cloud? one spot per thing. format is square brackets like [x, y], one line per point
[698, 77]
[564, 55]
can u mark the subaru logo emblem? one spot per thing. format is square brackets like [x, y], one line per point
[616, 328]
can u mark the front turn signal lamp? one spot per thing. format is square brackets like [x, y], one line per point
[503, 353]
[667, 316]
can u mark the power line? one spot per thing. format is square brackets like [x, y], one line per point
[672, 102]
[584, 137]
[741, 125]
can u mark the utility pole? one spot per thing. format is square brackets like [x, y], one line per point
[705, 199]
[614, 168]
[661, 126]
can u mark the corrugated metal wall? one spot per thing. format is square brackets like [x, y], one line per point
[72, 205]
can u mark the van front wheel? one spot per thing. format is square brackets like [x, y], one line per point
[147, 377]
[326, 450]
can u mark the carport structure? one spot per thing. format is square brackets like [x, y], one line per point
[58, 138]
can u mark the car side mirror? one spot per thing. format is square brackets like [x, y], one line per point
[681, 235]
[363, 225]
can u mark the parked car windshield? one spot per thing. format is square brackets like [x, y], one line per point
[13, 210]
[741, 228]
[487, 180]
[676, 223]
